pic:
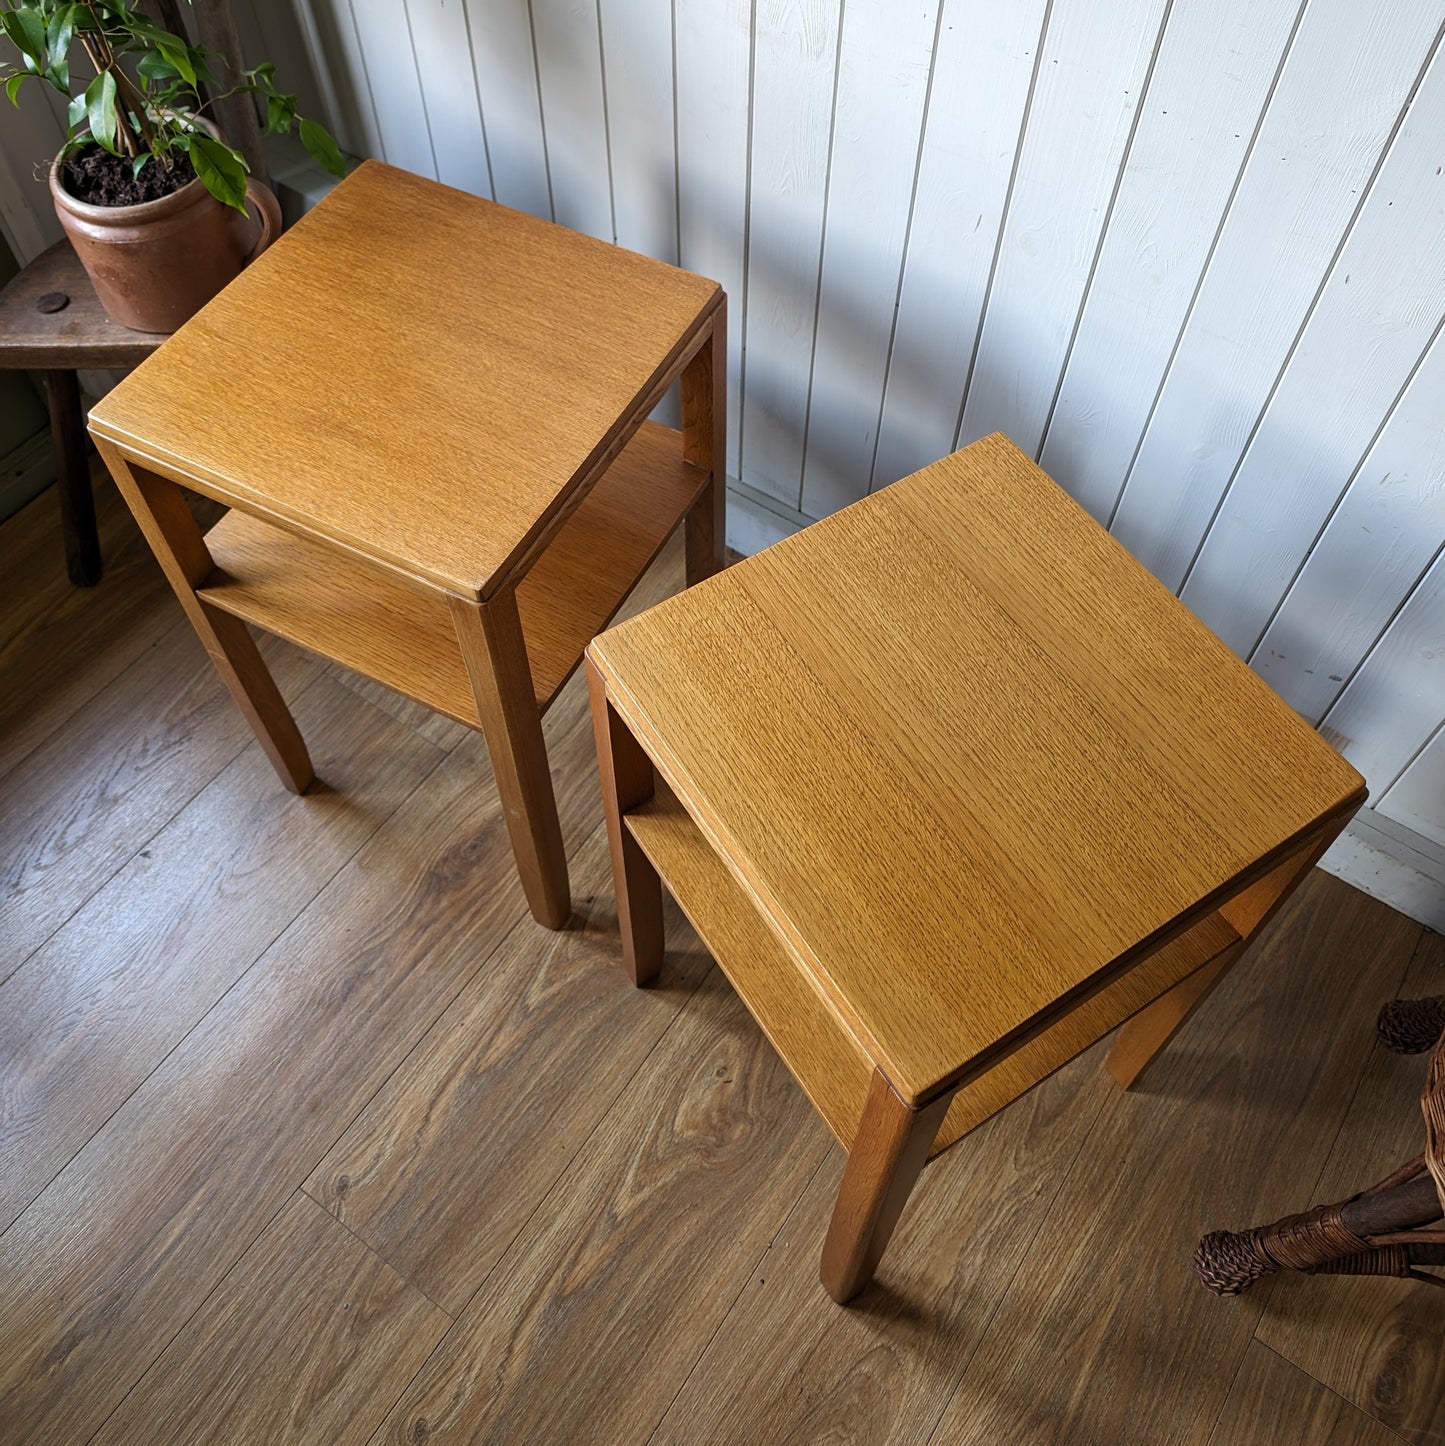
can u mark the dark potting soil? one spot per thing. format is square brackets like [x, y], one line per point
[101, 179]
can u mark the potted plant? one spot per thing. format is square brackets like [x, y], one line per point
[157, 205]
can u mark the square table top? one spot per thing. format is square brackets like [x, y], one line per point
[966, 755]
[421, 376]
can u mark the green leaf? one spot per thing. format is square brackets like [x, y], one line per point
[180, 60]
[59, 32]
[222, 171]
[280, 113]
[27, 30]
[154, 66]
[100, 110]
[12, 87]
[324, 151]
[139, 164]
[75, 112]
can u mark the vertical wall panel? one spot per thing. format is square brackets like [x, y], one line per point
[1395, 702]
[31, 139]
[637, 67]
[1348, 74]
[384, 35]
[1418, 799]
[1216, 67]
[987, 50]
[1380, 540]
[884, 61]
[574, 117]
[506, 78]
[1378, 311]
[714, 50]
[1089, 88]
[330, 29]
[441, 38]
[795, 59]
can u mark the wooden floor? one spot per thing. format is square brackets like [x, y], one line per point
[310, 1134]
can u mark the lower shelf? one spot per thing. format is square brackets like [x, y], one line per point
[814, 1042]
[327, 601]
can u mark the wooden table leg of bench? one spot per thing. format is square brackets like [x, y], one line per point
[628, 780]
[72, 479]
[889, 1151]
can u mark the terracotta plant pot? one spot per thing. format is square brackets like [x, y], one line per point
[156, 264]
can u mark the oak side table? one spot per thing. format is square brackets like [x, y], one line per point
[51, 321]
[427, 414]
[951, 788]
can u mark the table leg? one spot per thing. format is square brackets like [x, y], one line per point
[72, 479]
[889, 1150]
[704, 443]
[495, 653]
[1141, 1039]
[161, 511]
[628, 780]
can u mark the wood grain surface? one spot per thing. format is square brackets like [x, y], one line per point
[381, 627]
[521, 343]
[495, 1084]
[713, 1141]
[1080, 724]
[800, 1369]
[185, 1173]
[1221, 1132]
[170, 1283]
[309, 1338]
[1389, 1363]
[60, 646]
[93, 1011]
[63, 837]
[1274, 1404]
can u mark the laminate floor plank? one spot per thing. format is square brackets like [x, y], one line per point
[310, 1338]
[594, 1317]
[87, 799]
[1377, 1342]
[88, 1016]
[122, 1247]
[444, 1166]
[60, 645]
[1104, 1336]
[1272, 1403]
[799, 1369]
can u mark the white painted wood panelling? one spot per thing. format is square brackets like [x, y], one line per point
[442, 44]
[713, 89]
[1190, 249]
[795, 56]
[32, 136]
[1386, 531]
[1217, 66]
[389, 56]
[1348, 74]
[506, 79]
[1396, 700]
[574, 113]
[637, 51]
[1418, 799]
[977, 107]
[1374, 318]
[884, 65]
[1091, 83]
